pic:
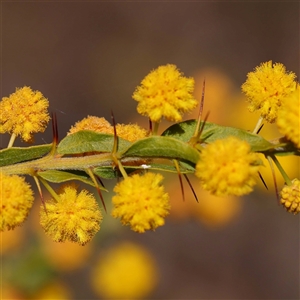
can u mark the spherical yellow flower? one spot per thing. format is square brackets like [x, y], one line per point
[288, 120]
[74, 218]
[141, 202]
[165, 92]
[23, 113]
[127, 271]
[16, 199]
[266, 88]
[290, 197]
[92, 123]
[227, 167]
[130, 132]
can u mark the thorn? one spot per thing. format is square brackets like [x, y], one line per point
[115, 146]
[92, 175]
[54, 128]
[192, 189]
[101, 197]
[180, 178]
[40, 192]
[150, 126]
[260, 128]
[263, 181]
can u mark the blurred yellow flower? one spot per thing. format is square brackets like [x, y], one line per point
[141, 202]
[11, 240]
[53, 291]
[23, 113]
[165, 92]
[290, 197]
[127, 271]
[266, 88]
[227, 167]
[288, 120]
[16, 199]
[74, 218]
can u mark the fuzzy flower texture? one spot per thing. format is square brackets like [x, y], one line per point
[23, 113]
[75, 217]
[165, 92]
[16, 199]
[288, 121]
[227, 167]
[267, 87]
[141, 202]
[290, 197]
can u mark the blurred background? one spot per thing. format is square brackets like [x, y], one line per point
[87, 58]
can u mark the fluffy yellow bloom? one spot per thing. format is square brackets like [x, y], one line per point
[266, 87]
[227, 167]
[92, 123]
[74, 218]
[141, 202]
[16, 199]
[288, 120]
[23, 113]
[129, 132]
[165, 92]
[126, 271]
[290, 197]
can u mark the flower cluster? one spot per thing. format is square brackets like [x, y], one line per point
[226, 161]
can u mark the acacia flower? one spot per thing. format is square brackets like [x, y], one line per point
[227, 167]
[165, 92]
[290, 197]
[75, 217]
[266, 87]
[288, 120]
[129, 132]
[16, 199]
[141, 202]
[92, 123]
[127, 271]
[23, 113]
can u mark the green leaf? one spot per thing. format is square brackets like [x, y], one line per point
[184, 131]
[63, 176]
[89, 141]
[15, 155]
[162, 147]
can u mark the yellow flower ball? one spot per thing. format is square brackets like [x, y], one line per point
[266, 87]
[165, 92]
[23, 113]
[227, 167]
[290, 197]
[16, 199]
[141, 202]
[74, 218]
[126, 271]
[288, 120]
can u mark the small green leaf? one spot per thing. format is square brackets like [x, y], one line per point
[56, 176]
[162, 147]
[15, 155]
[184, 131]
[89, 141]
